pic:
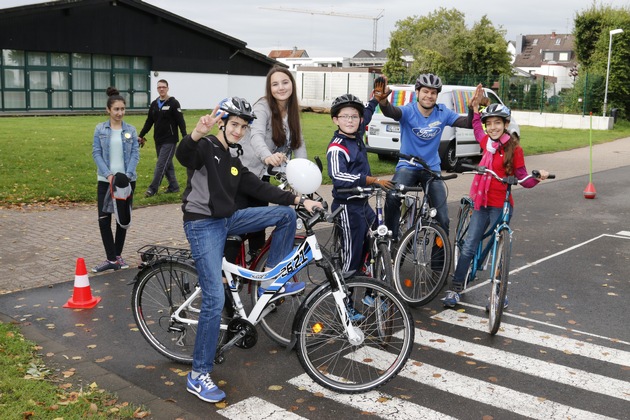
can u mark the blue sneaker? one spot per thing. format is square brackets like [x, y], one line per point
[204, 388]
[290, 288]
[368, 300]
[354, 315]
[505, 304]
[451, 299]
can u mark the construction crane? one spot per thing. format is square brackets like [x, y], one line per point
[331, 13]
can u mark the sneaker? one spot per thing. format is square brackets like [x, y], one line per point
[290, 288]
[451, 299]
[204, 388]
[121, 263]
[106, 265]
[368, 300]
[505, 304]
[354, 315]
[150, 193]
[171, 191]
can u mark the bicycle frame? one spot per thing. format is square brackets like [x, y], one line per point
[481, 257]
[282, 273]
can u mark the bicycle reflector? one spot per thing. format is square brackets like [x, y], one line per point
[317, 327]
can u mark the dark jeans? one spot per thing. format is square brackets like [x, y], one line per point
[113, 247]
[164, 167]
[437, 198]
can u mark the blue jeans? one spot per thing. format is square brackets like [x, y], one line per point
[207, 240]
[480, 220]
[411, 178]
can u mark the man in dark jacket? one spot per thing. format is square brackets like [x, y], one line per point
[166, 114]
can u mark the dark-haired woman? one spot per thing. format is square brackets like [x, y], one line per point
[276, 134]
[115, 150]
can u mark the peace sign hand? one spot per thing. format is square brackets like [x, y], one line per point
[205, 124]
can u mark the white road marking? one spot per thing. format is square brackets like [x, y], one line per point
[550, 371]
[373, 402]
[538, 338]
[254, 408]
[537, 407]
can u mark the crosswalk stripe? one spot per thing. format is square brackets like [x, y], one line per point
[373, 402]
[550, 371]
[539, 338]
[255, 408]
[536, 407]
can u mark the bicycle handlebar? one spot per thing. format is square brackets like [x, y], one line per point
[419, 161]
[511, 179]
[369, 190]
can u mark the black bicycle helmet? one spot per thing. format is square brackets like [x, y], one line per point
[238, 107]
[429, 80]
[496, 110]
[346, 100]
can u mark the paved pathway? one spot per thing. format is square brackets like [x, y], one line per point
[40, 246]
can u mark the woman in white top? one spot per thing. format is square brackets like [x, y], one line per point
[275, 136]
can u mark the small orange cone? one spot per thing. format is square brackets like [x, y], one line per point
[82, 296]
[589, 191]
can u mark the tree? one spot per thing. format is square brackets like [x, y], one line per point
[592, 40]
[427, 39]
[394, 68]
[441, 43]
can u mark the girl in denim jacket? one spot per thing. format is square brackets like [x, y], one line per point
[115, 150]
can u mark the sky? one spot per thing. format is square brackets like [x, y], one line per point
[331, 35]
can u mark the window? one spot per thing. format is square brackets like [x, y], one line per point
[548, 56]
[558, 40]
[535, 42]
[563, 56]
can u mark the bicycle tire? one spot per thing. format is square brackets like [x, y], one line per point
[157, 294]
[499, 282]
[422, 263]
[332, 361]
[277, 324]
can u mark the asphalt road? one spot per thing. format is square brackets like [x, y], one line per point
[563, 350]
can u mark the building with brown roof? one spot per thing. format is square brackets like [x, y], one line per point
[549, 55]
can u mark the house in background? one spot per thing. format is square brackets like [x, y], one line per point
[549, 55]
[60, 56]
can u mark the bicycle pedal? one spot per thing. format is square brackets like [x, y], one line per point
[177, 329]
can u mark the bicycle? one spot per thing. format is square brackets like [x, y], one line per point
[496, 251]
[423, 258]
[336, 352]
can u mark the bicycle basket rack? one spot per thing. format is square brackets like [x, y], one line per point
[150, 254]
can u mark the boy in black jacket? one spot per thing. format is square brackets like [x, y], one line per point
[210, 215]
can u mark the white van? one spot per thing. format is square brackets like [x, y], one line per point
[382, 135]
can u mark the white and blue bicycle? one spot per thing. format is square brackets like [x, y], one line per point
[339, 353]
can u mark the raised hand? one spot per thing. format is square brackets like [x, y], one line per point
[381, 91]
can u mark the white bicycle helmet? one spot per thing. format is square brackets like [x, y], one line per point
[238, 107]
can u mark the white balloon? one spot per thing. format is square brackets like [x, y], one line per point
[303, 175]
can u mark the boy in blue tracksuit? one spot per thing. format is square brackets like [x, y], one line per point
[348, 167]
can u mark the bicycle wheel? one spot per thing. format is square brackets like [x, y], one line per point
[334, 362]
[383, 267]
[499, 281]
[463, 220]
[156, 295]
[422, 263]
[277, 323]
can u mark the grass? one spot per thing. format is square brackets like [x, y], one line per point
[28, 389]
[48, 160]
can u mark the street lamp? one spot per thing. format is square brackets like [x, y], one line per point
[612, 32]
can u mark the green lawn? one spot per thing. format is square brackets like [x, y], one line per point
[49, 159]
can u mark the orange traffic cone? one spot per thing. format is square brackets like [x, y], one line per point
[589, 191]
[82, 295]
